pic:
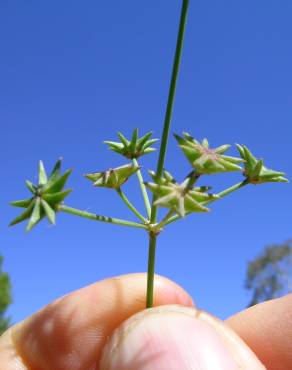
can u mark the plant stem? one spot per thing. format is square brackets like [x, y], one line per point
[164, 221]
[143, 189]
[130, 206]
[163, 146]
[170, 101]
[221, 195]
[193, 178]
[230, 190]
[150, 274]
[93, 216]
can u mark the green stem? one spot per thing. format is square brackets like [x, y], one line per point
[170, 101]
[193, 178]
[93, 216]
[143, 189]
[163, 146]
[150, 274]
[230, 190]
[130, 206]
[164, 221]
[221, 195]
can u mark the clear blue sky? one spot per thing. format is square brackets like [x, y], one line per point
[73, 74]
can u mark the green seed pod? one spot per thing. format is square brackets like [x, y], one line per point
[254, 169]
[47, 196]
[165, 178]
[206, 160]
[133, 148]
[114, 178]
[35, 215]
[181, 198]
[50, 213]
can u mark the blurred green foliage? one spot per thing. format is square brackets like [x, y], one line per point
[270, 274]
[5, 297]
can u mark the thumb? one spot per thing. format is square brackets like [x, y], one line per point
[175, 337]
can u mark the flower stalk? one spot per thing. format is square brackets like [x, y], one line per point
[143, 189]
[163, 147]
[130, 206]
[150, 270]
[94, 217]
[231, 189]
[220, 195]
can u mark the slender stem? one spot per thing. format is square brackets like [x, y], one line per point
[130, 206]
[92, 216]
[230, 190]
[174, 218]
[150, 275]
[193, 177]
[221, 195]
[170, 101]
[143, 189]
[163, 146]
[164, 221]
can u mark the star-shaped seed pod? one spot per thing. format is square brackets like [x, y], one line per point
[114, 178]
[181, 198]
[134, 148]
[47, 195]
[255, 171]
[206, 160]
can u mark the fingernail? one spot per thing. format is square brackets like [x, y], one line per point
[173, 338]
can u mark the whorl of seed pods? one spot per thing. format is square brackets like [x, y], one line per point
[113, 178]
[181, 198]
[254, 169]
[134, 148]
[46, 196]
[204, 159]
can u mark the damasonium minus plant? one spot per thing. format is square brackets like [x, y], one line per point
[180, 198]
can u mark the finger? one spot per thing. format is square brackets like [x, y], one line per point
[70, 333]
[174, 337]
[267, 330]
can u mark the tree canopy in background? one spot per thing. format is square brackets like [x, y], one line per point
[270, 274]
[5, 297]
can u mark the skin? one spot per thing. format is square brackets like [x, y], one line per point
[104, 325]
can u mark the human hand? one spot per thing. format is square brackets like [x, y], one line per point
[86, 330]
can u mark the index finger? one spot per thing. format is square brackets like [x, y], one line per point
[70, 332]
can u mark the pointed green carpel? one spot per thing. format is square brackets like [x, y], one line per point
[255, 171]
[42, 174]
[164, 179]
[35, 215]
[31, 187]
[181, 198]
[134, 148]
[24, 203]
[48, 195]
[113, 178]
[204, 159]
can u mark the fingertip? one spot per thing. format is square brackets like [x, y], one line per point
[168, 292]
[174, 337]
